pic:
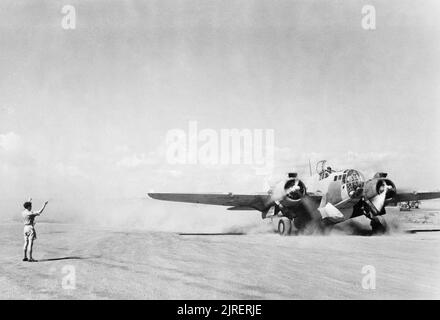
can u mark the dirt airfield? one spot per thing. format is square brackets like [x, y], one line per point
[87, 262]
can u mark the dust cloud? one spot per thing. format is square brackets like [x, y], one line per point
[140, 213]
[143, 213]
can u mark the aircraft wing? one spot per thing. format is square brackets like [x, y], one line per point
[414, 196]
[260, 202]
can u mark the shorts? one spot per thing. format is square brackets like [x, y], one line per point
[29, 233]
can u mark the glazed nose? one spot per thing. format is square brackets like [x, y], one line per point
[354, 183]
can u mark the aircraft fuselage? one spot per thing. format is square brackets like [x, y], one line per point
[332, 196]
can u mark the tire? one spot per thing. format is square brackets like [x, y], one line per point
[284, 226]
[379, 225]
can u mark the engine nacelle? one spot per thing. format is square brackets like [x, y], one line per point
[376, 186]
[289, 192]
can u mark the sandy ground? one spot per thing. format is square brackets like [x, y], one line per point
[124, 264]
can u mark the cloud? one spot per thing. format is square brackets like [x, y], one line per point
[69, 170]
[135, 160]
[7, 110]
[10, 142]
[130, 159]
[13, 153]
[286, 157]
[173, 173]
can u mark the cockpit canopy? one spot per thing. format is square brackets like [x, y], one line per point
[322, 170]
[354, 181]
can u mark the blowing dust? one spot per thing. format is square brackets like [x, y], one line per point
[151, 215]
[137, 214]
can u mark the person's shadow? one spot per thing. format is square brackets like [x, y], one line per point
[65, 258]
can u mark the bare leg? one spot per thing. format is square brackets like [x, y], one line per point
[25, 249]
[31, 245]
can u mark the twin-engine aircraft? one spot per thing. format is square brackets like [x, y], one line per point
[320, 201]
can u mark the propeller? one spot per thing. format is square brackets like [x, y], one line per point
[294, 187]
[379, 200]
[295, 191]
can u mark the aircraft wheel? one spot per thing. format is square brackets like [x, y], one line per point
[284, 226]
[378, 225]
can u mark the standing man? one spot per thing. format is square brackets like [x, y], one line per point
[29, 231]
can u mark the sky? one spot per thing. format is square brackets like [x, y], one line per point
[84, 113]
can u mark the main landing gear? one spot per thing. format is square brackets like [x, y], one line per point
[284, 226]
[378, 225]
[377, 222]
[296, 226]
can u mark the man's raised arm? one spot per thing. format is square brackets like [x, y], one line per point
[42, 209]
